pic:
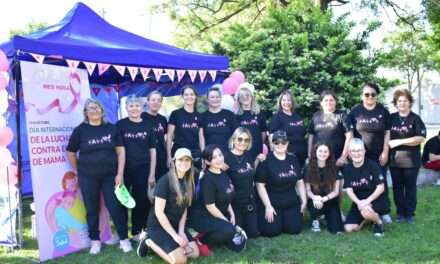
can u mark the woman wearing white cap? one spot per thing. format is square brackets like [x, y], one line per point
[167, 233]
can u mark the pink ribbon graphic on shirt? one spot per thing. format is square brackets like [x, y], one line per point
[56, 103]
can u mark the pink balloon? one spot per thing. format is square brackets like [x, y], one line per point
[238, 75]
[6, 136]
[4, 79]
[265, 149]
[230, 85]
[4, 64]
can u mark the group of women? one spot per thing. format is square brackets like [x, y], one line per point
[209, 174]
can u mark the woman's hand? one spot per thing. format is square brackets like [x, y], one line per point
[341, 161]
[182, 241]
[304, 206]
[317, 204]
[119, 179]
[270, 213]
[261, 157]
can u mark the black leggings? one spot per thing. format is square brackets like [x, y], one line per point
[248, 221]
[216, 231]
[92, 182]
[287, 220]
[332, 214]
[405, 190]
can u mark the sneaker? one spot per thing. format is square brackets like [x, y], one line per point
[95, 247]
[400, 219]
[142, 248]
[125, 245]
[378, 230]
[315, 226]
[386, 218]
[124, 197]
[410, 219]
[112, 241]
[437, 183]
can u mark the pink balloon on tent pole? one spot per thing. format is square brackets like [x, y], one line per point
[238, 75]
[6, 136]
[4, 64]
[4, 79]
[230, 85]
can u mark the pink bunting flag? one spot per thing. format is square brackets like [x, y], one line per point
[133, 72]
[103, 67]
[145, 72]
[170, 73]
[192, 75]
[73, 65]
[213, 74]
[90, 66]
[38, 57]
[120, 69]
[180, 74]
[157, 73]
[96, 90]
[202, 75]
[108, 89]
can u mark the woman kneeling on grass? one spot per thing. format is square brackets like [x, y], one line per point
[167, 234]
[322, 185]
[364, 184]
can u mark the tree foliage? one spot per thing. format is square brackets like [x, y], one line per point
[30, 27]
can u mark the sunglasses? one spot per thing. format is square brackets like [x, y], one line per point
[282, 142]
[245, 140]
[370, 95]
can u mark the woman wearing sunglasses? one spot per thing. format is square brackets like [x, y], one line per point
[371, 123]
[281, 190]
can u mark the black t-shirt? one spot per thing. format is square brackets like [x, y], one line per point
[370, 126]
[218, 127]
[138, 139]
[214, 189]
[280, 178]
[406, 127]
[330, 128]
[159, 124]
[242, 173]
[96, 145]
[173, 211]
[432, 146]
[322, 189]
[363, 180]
[187, 126]
[256, 125]
[293, 125]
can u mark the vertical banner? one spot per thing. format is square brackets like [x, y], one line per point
[54, 99]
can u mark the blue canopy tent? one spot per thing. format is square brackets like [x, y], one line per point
[82, 35]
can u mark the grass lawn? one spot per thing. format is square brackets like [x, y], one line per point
[402, 243]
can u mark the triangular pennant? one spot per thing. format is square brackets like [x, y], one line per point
[157, 73]
[180, 74]
[38, 57]
[202, 75]
[108, 89]
[103, 67]
[73, 64]
[133, 72]
[145, 72]
[213, 74]
[192, 75]
[90, 66]
[96, 90]
[170, 73]
[120, 69]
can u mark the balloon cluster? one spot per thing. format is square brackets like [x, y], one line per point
[6, 133]
[230, 87]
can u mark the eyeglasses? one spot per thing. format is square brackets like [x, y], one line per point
[370, 94]
[245, 140]
[245, 95]
[93, 109]
[282, 142]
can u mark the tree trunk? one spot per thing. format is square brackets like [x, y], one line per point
[323, 4]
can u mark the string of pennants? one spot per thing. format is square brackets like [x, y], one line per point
[134, 71]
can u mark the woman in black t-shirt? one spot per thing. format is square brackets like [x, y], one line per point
[331, 126]
[241, 168]
[407, 133]
[279, 182]
[212, 214]
[218, 124]
[322, 186]
[185, 127]
[249, 116]
[173, 194]
[100, 166]
[364, 183]
[140, 161]
[293, 124]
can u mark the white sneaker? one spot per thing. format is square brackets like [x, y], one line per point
[112, 241]
[125, 245]
[437, 183]
[386, 218]
[315, 226]
[95, 247]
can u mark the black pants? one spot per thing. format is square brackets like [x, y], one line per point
[248, 221]
[136, 181]
[93, 182]
[287, 220]
[216, 231]
[405, 190]
[332, 214]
